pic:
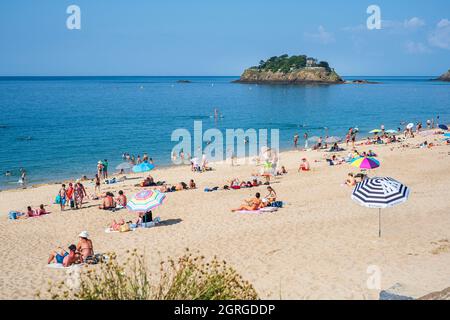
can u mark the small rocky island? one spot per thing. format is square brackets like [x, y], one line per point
[290, 70]
[445, 77]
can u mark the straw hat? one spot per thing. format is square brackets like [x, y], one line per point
[84, 234]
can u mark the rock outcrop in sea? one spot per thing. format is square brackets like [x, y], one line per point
[445, 76]
[291, 70]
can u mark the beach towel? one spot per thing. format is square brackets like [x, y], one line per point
[60, 266]
[260, 211]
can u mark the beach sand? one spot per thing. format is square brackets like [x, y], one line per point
[319, 246]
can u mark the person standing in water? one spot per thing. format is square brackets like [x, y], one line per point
[295, 141]
[23, 178]
[305, 136]
[105, 169]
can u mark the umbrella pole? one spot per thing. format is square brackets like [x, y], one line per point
[379, 222]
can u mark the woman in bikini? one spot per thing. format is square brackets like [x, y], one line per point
[251, 204]
[84, 246]
[97, 184]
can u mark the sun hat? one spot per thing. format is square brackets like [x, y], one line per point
[84, 234]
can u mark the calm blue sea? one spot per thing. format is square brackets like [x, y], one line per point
[59, 127]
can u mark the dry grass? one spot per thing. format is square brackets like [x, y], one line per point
[187, 278]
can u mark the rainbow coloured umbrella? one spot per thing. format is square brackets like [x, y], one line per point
[365, 163]
[143, 167]
[146, 200]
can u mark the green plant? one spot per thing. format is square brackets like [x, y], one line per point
[188, 278]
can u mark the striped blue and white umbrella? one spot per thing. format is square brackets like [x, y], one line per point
[380, 193]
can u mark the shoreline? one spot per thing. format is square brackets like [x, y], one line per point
[320, 243]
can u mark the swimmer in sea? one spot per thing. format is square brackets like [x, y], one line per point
[8, 173]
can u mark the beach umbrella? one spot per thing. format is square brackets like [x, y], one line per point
[443, 127]
[365, 163]
[447, 135]
[145, 201]
[333, 140]
[124, 166]
[410, 125]
[143, 167]
[380, 193]
[391, 131]
[375, 131]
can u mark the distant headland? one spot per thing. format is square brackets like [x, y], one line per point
[291, 70]
[445, 76]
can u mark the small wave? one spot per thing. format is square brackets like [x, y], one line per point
[25, 138]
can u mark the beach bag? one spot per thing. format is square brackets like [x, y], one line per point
[125, 228]
[277, 204]
[58, 199]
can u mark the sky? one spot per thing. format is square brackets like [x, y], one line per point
[218, 37]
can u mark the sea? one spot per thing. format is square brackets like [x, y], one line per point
[59, 127]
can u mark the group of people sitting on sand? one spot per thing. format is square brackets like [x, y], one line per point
[110, 202]
[256, 203]
[83, 252]
[352, 179]
[30, 213]
[200, 167]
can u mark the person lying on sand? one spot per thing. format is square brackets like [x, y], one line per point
[115, 225]
[66, 258]
[282, 171]
[304, 165]
[251, 204]
[108, 202]
[85, 247]
[192, 184]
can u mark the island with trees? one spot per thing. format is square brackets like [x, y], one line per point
[287, 69]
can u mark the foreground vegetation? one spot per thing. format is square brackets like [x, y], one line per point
[188, 278]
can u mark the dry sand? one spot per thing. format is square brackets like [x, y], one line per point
[319, 246]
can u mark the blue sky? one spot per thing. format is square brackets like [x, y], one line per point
[198, 37]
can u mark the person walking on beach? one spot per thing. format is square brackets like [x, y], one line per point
[62, 196]
[97, 184]
[105, 169]
[295, 141]
[79, 194]
[305, 136]
[99, 168]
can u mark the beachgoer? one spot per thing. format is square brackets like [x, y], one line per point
[251, 204]
[192, 184]
[121, 199]
[351, 181]
[295, 141]
[97, 184]
[304, 166]
[66, 258]
[84, 246]
[62, 196]
[105, 169]
[108, 202]
[100, 168]
[272, 195]
[79, 194]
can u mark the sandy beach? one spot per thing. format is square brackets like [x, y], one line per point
[319, 246]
